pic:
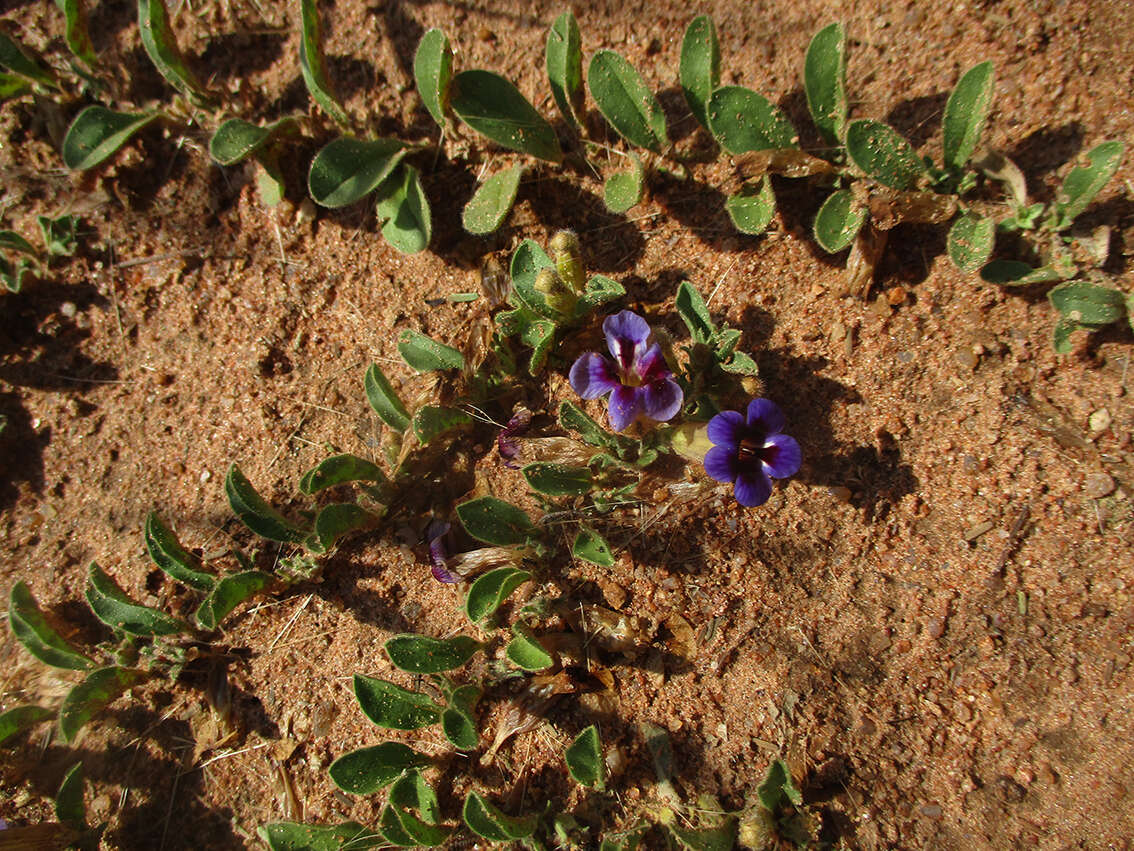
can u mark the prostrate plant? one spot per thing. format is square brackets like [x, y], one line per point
[59, 240]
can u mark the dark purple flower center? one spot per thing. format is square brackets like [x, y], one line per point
[753, 448]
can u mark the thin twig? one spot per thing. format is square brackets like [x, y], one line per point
[299, 609]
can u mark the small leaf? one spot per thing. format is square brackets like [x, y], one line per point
[487, 821]
[527, 261]
[623, 841]
[526, 651]
[230, 592]
[254, 512]
[20, 718]
[237, 139]
[347, 170]
[289, 836]
[161, 46]
[12, 241]
[564, 60]
[168, 554]
[495, 108]
[59, 234]
[404, 211]
[584, 759]
[558, 479]
[13, 275]
[420, 654]
[69, 806]
[599, 290]
[884, 155]
[33, 631]
[394, 707]
[1082, 184]
[338, 470]
[1088, 304]
[694, 313]
[433, 71]
[778, 788]
[720, 838]
[384, 400]
[838, 221]
[495, 522]
[425, 354]
[75, 32]
[431, 422]
[623, 189]
[458, 721]
[314, 66]
[20, 61]
[492, 201]
[100, 689]
[365, 771]
[335, 520]
[1061, 335]
[12, 86]
[1016, 273]
[751, 211]
[411, 792]
[740, 364]
[491, 589]
[591, 546]
[700, 70]
[111, 605]
[966, 112]
[970, 241]
[97, 132]
[825, 81]
[626, 102]
[742, 120]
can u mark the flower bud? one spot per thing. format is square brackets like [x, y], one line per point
[568, 259]
[559, 297]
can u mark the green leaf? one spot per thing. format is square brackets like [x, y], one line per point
[168, 554]
[564, 59]
[289, 836]
[432, 421]
[527, 261]
[347, 169]
[700, 70]
[391, 825]
[825, 81]
[540, 335]
[526, 651]
[161, 46]
[314, 66]
[558, 479]
[491, 589]
[13, 274]
[21, 61]
[59, 234]
[384, 400]
[20, 718]
[230, 592]
[751, 211]
[101, 688]
[591, 546]
[626, 102]
[624, 841]
[12, 241]
[394, 707]
[599, 290]
[97, 132]
[111, 605]
[404, 211]
[495, 522]
[720, 838]
[365, 771]
[492, 201]
[838, 221]
[458, 721]
[335, 520]
[75, 32]
[237, 139]
[1061, 335]
[69, 806]
[584, 759]
[778, 788]
[495, 108]
[432, 73]
[487, 821]
[970, 241]
[741, 364]
[254, 512]
[623, 189]
[694, 313]
[12, 86]
[421, 654]
[338, 470]
[1083, 183]
[33, 631]
[742, 120]
[1016, 273]
[966, 112]
[1088, 304]
[425, 354]
[409, 793]
[270, 184]
[884, 155]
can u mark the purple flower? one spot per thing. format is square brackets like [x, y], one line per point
[751, 451]
[436, 534]
[637, 379]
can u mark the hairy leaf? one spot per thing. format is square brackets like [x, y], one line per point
[314, 66]
[492, 201]
[101, 688]
[254, 511]
[623, 189]
[564, 60]
[347, 170]
[526, 651]
[751, 210]
[34, 632]
[230, 592]
[168, 554]
[365, 771]
[966, 112]
[20, 718]
[161, 46]
[584, 759]
[403, 210]
[700, 69]
[425, 354]
[237, 139]
[626, 102]
[495, 522]
[495, 108]
[384, 400]
[394, 707]
[884, 155]
[487, 821]
[742, 120]
[825, 81]
[1083, 183]
[97, 132]
[491, 589]
[970, 241]
[838, 221]
[433, 71]
[111, 605]
[421, 654]
[591, 546]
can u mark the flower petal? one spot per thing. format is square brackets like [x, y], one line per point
[726, 429]
[781, 456]
[752, 488]
[661, 400]
[625, 407]
[721, 464]
[626, 335]
[592, 376]
[442, 574]
[651, 366]
[765, 415]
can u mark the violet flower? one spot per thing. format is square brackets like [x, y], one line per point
[751, 451]
[637, 379]
[435, 534]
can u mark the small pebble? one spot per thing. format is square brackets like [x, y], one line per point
[935, 628]
[68, 309]
[1099, 485]
[931, 811]
[841, 493]
[966, 358]
[1099, 421]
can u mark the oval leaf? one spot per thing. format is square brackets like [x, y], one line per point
[420, 654]
[1083, 183]
[966, 112]
[970, 241]
[1016, 273]
[168, 554]
[347, 170]
[289, 836]
[314, 66]
[486, 820]
[495, 108]
[394, 707]
[700, 66]
[69, 806]
[743, 120]
[884, 155]
[1088, 304]
[336, 520]
[491, 589]
[626, 102]
[237, 139]
[340, 469]
[365, 771]
[229, 593]
[623, 189]
[21, 61]
[600, 290]
[384, 400]
[92, 695]
[564, 58]
[558, 479]
[591, 546]
[255, 513]
[492, 201]
[526, 651]
[458, 721]
[433, 71]
[161, 46]
[751, 211]
[97, 132]
[34, 632]
[527, 261]
[584, 759]
[825, 81]
[839, 220]
[111, 605]
[425, 354]
[20, 718]
[404, 211]
[495, 522]
[75, 33]
[432, 421]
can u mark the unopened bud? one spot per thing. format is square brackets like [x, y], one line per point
[568, 259]
[559, 298]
